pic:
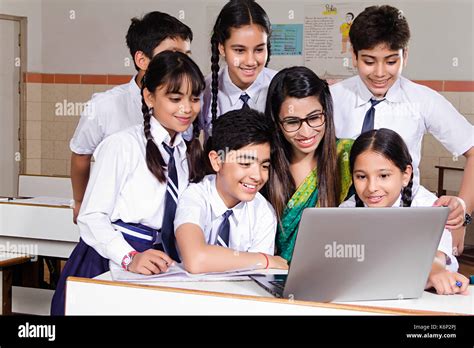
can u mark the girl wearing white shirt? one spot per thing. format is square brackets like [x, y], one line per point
[382, 173]
[128, 211]
[241, 36]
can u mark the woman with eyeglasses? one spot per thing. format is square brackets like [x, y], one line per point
[316, 164]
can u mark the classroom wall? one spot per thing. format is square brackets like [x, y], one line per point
[87, 36]
[77, 47]
[33, 9]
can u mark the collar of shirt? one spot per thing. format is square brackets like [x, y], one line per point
[364, 94]
[160, 134]
[135, 91]
[233, 92]
[218, 206]
[398, 202]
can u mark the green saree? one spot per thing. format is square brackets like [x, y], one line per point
[306, 196]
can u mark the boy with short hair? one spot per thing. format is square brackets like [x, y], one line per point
[121, 107]
[379, 97]
[223, 223]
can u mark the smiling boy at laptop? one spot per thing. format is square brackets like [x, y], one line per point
[223, 223]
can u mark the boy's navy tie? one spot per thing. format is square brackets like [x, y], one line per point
[171, 199]
[369, 116]
[224, 229]
[245, 98]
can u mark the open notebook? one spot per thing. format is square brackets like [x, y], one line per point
[177, 273]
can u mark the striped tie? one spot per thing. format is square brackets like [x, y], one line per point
[171, 198]
[224, 229]
[245, 98]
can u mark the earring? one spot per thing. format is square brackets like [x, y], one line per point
[151, 111]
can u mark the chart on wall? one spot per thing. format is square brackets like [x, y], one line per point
[287, 39]
[327, 50]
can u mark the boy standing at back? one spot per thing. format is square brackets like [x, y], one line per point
[379, 97]
[121, 107]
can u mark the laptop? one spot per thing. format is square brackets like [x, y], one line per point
[357, 254]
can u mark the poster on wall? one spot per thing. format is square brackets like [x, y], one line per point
[327, 50]
[287, 39]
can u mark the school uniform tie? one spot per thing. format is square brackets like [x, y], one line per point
[369, 116]
[245, 98]
[171, 199]
[224, 230]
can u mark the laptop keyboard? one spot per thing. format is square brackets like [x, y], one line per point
[280, 285]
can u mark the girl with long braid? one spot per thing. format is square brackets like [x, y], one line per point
[382, 173]
[241, 36]
[129, 206]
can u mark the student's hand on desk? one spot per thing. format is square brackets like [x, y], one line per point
[277, 262]
[150, 261]
[457, 211]
[444, 282]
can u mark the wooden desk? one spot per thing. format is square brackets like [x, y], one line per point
[8, 261]
[104, 297]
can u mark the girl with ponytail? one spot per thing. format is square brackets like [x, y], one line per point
[382, 173]
[241, 36]
[128, 211]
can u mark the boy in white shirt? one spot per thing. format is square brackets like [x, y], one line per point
[121, 107]
[379, 97]
[223, 223]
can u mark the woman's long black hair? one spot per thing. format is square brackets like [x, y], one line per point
[301, 82]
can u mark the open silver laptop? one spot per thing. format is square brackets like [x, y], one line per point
[357, 254]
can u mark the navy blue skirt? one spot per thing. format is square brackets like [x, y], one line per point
[87, 263]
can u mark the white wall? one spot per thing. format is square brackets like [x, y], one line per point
[94, 42]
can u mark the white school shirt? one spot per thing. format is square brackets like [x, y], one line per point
[409, 109]
[228, 96]
[252, 224]
[423, 198]
[122, 187]
[107, 113]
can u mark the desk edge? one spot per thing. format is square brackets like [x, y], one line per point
[379, 310]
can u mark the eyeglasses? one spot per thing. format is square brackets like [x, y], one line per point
[292, 124]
